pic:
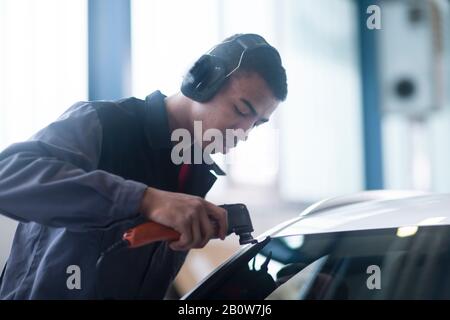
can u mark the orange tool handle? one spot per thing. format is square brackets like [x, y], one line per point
[149, 232]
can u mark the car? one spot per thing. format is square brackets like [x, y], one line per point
[371, 245]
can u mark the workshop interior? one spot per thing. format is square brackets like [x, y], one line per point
[368, 104]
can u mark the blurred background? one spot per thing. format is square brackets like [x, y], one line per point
[367, 108]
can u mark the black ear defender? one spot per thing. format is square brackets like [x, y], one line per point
[205, 78]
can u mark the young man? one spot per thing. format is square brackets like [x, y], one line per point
[105, 166]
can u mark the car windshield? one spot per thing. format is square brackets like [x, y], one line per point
[400, 263]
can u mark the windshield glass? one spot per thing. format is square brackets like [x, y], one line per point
[401, 263]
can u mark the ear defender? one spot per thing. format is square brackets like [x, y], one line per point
[205, 78]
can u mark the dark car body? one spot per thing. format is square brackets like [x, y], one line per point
[373, 245]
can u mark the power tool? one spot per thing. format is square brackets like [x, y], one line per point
[239, 222]
[238, 218]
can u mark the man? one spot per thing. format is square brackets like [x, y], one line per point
[106, 166]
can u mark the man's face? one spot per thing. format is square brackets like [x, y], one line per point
[243, 103]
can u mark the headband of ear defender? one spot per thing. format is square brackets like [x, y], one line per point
[208, 74]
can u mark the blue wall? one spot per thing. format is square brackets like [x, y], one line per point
[109, 49]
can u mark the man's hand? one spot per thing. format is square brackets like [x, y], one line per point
[196, 219]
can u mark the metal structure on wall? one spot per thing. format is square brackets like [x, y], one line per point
[412, 57]
[410, 49]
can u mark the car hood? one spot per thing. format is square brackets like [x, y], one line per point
[413, 211]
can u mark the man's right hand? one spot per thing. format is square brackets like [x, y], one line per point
[196, 219]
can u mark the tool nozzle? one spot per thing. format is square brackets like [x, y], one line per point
[239, 222]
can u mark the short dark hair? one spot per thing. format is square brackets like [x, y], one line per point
[266, 62]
